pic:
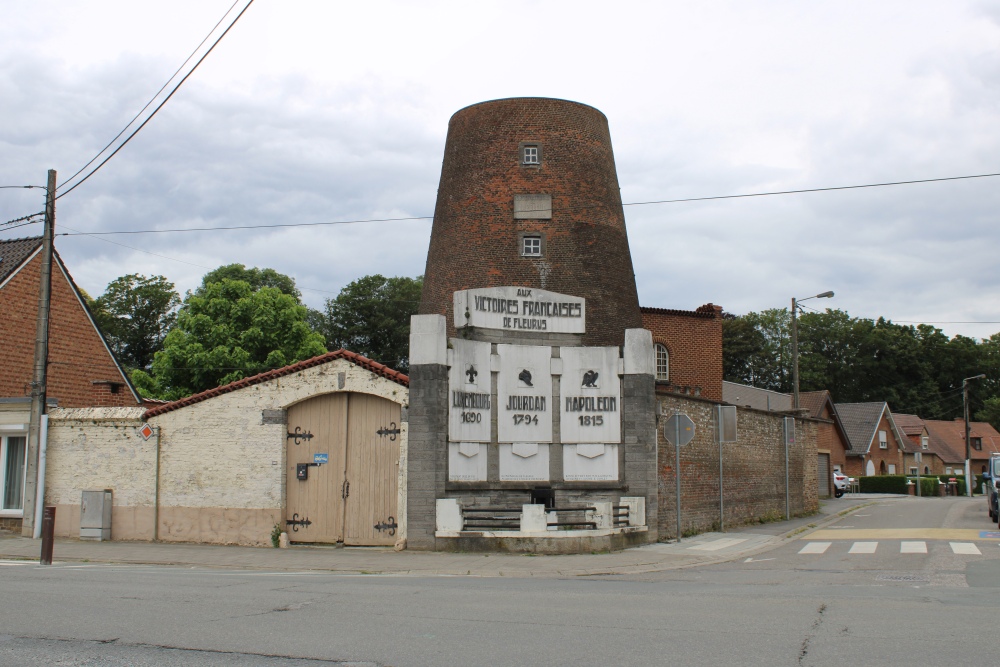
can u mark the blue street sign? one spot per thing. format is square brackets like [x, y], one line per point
[321, 458]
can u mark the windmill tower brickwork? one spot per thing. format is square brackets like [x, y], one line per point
[529, 198]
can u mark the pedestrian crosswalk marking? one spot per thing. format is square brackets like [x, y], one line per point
[863, 548]
[715, 545]
[906, 547]
[815, 548]
[965, 549]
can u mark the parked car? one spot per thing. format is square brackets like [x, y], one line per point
[990, 490]
[840, 482]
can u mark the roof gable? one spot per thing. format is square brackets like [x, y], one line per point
[353, 357]
[860, 421]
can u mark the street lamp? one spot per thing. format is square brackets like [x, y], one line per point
[795, 344]
[968, 449]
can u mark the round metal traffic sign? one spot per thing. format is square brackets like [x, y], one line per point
[678, 429]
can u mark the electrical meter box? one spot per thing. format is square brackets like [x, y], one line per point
[95, 515]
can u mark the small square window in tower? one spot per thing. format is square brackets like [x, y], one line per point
[531, 246]
[531, 154]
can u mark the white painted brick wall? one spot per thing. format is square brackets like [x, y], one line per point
[99, 448]
[216, 453]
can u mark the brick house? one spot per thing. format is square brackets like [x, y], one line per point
[688, 348]
[832, 443]
[932, 454]
[877, 444]
[948, 439]
[82, 370]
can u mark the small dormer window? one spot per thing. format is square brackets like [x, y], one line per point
[531, 154]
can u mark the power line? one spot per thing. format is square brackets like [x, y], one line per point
[642, 203]
[20, 187]
[157, 94]
[160, 106]
[274, 226]
[173, 259]
[828, 189]
[23, 218]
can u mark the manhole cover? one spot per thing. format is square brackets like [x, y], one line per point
[901, 577]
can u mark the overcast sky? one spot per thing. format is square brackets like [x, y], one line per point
[314, 111]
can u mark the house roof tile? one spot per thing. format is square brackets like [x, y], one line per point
[13, 253]
[708, 311]
[948, 438]
[815, 401]
[353, 357]
[860, 420]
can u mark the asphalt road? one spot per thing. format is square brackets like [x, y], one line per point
[793, 605]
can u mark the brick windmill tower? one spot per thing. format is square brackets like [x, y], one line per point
[529, 198]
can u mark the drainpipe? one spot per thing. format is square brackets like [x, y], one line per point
[156, 491]
[43, 442]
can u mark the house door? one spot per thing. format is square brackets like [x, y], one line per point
[348, 490]
[372, 471]
[314, 506]
[823, 475]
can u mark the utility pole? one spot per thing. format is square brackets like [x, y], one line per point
[795, 355]
[968, 448]
[38, 389]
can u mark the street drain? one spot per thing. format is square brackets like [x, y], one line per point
[900, 577]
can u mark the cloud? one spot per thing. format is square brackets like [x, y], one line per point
[308, 114]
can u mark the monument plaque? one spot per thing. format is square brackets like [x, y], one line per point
[520, 309]
[469, 387]
[467, 462]
[524, 462]
[591, 395]
[524, 393]
[590, 463]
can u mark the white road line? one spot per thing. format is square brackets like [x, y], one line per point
[863, 548]
[965, 549]
[815, 548]
[913, 548]
[715, 545]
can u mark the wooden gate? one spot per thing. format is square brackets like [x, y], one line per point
[348, 446]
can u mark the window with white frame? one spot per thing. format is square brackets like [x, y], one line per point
[883, 440]
[531, 154]
[12, 458]
[662, 363]
[976, 444]
[531, 246]
[923, 442]
[913, 471]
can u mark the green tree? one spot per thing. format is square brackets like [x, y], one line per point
[255, 277]
[135, 313]
[371, 316]
[990, 412]
[227, 330]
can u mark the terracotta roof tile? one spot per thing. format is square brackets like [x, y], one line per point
[814, 401]
[353, 357]
[708, 311]
[948, 438]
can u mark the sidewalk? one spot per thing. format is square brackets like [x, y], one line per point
[702, 549]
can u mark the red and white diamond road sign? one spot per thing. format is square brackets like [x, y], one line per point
[146, 431]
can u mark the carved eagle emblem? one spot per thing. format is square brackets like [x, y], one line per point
[590, 379]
